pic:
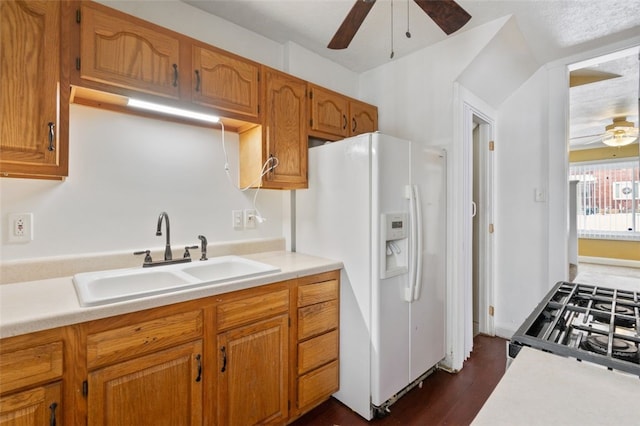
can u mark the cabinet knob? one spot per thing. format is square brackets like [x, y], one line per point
[52, 415]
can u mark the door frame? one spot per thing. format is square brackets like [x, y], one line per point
[459, 324]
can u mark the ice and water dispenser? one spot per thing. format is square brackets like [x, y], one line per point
[395, 237]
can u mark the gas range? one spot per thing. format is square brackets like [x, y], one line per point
[587, 322]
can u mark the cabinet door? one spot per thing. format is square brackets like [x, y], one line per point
[329, 112]
[364, 118]
[286, 130]
[225, 82]
[124, 53]
[164, 388]
[29, 89]
[34, 407]
[253, 366]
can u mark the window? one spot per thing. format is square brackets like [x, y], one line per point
[608, 204]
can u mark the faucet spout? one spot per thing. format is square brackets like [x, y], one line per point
[203, 247]
[167, 249]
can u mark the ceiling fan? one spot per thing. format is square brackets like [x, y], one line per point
[619, 133]
[447, 14]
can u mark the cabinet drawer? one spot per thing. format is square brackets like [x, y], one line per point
[317, 351]
[32, 365]
[318, 318]
[149, 336]
[317, 292]
[318, 385]
[251, 308]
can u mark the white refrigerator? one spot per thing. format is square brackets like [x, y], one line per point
[377, 203]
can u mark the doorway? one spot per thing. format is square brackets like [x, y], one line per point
[482, 147]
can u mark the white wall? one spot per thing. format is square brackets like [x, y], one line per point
[521, 223]
[123, 172]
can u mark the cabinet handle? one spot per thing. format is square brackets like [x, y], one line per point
[52, 415]
[198, 358]
[52, 135]
[224, 359]
[197, 80]
[355, 124]
[344, 118]
[175, 75]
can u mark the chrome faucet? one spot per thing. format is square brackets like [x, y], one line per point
[203, 247]
[167, 248]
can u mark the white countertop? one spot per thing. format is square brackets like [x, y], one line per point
[39, 305]
[540, 388]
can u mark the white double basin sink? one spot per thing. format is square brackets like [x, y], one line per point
[117, 285]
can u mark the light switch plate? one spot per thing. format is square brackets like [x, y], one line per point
[236, 217]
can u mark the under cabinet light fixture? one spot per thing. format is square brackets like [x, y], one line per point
[150, 106]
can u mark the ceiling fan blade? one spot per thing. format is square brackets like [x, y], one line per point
[447, 14]
[350, 25]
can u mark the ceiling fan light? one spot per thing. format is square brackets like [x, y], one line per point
[620, 136]
[620, 133]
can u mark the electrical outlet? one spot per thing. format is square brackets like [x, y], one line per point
[250, 219]
[236, 217]
[20, 227]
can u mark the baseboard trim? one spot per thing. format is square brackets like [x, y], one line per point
[610, 261]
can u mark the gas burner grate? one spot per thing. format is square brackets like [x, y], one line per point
[620, 349]
[587, 322]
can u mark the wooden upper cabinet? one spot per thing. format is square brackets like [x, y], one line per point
[335, 116]
[286, 130]
[329, 112]
[279, 146]
[225, 82]
[364, 118]
[32, 142]
[122, 51]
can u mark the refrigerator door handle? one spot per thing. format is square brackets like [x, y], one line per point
[415, 256]
[417, 286]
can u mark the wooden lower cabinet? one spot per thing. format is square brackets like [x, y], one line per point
[253, 363]
[263, 355]
[34, 407]
[164, 388]
[317, 341]
[32, 369]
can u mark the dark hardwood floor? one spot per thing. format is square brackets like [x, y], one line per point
[444, 399]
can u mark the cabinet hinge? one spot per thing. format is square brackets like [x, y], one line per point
[311, 122]
[78, 64]
[491, 228]
[258, 109]
[85, 388]
[289, 319]
[78, 16]
[310, 94]
[491, 146]
[491, 310]
[289, 405]
[258, 76]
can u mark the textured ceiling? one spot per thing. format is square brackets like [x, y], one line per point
[594, 105]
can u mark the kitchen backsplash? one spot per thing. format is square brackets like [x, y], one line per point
[64, 266]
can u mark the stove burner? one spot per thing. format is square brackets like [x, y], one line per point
[621, 349]
[602, 311]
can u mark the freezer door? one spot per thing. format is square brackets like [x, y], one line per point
[391, 162]
[333, 220]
